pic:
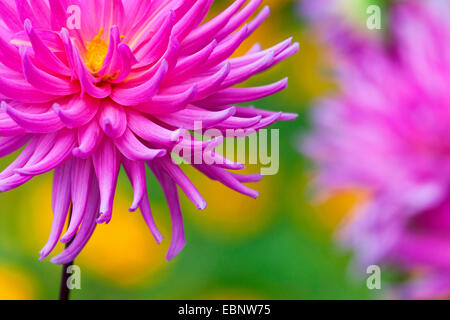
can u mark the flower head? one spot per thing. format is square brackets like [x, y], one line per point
[121, 90]
[386, 132]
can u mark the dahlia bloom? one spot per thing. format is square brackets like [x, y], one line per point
[122, 90]
[387, 133]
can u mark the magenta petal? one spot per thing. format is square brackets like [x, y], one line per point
[87, 227]
[89, 138]
[112, 119]
[178, 240]
[107, 165]
[12, 144]
[177, 175]
[134, 150]
[82, 171]
[60, 205]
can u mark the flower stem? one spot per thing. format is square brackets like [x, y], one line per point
[64, 291]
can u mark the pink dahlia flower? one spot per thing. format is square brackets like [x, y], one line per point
[121, 90]
[387, 132]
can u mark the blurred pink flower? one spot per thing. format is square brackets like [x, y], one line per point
[387, 132]
[120, 91]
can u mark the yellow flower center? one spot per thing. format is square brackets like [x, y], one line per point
[96, 52]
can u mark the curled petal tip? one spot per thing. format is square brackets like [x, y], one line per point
[4, 106]
[240, 166]
[175, 251]
[44, 253]
[105, 216]
[78, 153]
[177, 134]
[107, 127]
[55, 261]
[67, 237]
[134, 206]
[202, 205]
[288, 116]
[161, 153]
[266, 10]
[56, 107]
[159, 239]
[27, 25]
[21, 171]
[60, 259]
[103, 219]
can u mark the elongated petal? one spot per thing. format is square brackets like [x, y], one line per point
[82, 172]
[43, 53]
[182, 180]
[151, 131]
[60, 205]
[143, 93]
[203, 34]
[133, 149]
[78, 111]
[89, 138]
[60, 152]
[87, 227]
[186, 118]
[22, 91]
[106, 164]
[178, 240]
[12, 144]
[112, 119]
[45, 122]
[239, 95]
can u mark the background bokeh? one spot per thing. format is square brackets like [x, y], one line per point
[279, 246]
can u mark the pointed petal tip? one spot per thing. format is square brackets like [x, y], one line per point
[240, 166]
[177, 134]
[67, 236]
[44, 253]
[103, 219]
[201, 204]
[27, 25]
[252, 193]
[78, 153]
[55, 261]
[266, 10]
[60, 259]
[134, 206]
[4, 106]
[57, 108]
[175, 251]
[161, 153]
[22, 172]
[159, 239]
[289, 116]
[104, 215]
